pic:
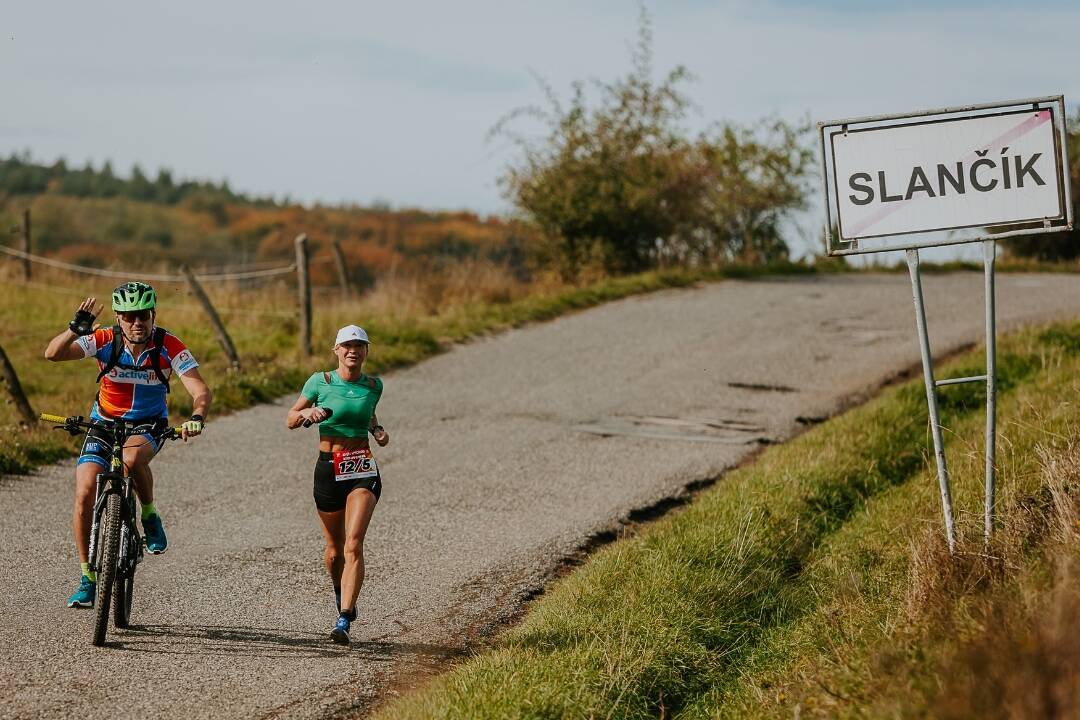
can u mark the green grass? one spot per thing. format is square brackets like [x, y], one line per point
[790, 583]
[264, 327]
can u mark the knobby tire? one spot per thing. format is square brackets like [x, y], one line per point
[106, 574]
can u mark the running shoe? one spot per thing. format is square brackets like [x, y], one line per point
[84, 596]
[340, 633]
[156, 542]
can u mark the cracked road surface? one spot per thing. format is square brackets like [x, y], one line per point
[507, 455]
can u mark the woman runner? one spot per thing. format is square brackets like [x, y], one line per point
[347, 482]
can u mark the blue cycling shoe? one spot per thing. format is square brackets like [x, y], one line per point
[340, 633]
[84, 596]
[154, 532]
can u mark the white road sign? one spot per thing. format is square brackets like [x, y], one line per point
[957, 170]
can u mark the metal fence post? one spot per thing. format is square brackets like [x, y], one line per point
[931, 397]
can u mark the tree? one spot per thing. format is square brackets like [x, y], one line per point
[623, 183]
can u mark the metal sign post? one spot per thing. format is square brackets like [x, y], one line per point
[989, 253]
[900, 182]
[931, 396]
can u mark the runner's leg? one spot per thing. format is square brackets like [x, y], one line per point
[358, 509]
[333, 527]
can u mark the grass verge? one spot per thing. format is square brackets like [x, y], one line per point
[813, 582]
[264, 326]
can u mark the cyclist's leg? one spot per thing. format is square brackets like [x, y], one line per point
[93, 459]
[139, 450]
[358, 509]
[83, 516]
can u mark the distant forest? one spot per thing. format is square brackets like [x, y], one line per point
[20, 175]
[91, 217]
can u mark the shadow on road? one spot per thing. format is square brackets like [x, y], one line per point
[233, 640]
[224, 640]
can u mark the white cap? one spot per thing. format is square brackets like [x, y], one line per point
[351, 333]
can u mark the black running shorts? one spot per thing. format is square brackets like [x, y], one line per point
[330, 494]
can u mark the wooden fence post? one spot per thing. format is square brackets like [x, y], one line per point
[342, 269]
[26, 244]
[219, 328]
[303, 289]
[15, 389]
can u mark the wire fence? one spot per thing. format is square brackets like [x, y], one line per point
[217, 276]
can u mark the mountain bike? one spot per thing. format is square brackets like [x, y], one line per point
[116, 547]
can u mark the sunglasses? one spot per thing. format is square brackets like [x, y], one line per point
[130, 317]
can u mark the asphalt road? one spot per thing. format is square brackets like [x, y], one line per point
[508, 454]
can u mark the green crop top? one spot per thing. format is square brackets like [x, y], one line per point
[353, 403]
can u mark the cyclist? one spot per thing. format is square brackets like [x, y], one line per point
[136, 360]
[347, 480]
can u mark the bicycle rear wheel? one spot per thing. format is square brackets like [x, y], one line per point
[106, 574]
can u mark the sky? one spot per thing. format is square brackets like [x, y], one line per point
[360, 102]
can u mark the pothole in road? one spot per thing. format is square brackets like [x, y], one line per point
[761, 387]
[723, 430]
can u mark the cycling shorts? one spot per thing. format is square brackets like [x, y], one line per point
[97, 446]
[330, 494]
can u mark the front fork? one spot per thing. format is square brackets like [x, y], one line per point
[127, 520]
[127, 543]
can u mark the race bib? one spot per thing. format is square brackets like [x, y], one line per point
[354, 464]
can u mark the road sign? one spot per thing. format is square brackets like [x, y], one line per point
[898, 181]
[941, 177]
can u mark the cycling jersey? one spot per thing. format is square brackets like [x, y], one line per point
[353, 403]
[131, 389]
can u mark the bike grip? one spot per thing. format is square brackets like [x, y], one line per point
[58, 419]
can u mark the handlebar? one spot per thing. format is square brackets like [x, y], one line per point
[329, 413]
[74, 423]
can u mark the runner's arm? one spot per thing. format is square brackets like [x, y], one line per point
[303, 409]
[378, 431]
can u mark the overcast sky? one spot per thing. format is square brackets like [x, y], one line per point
[358, 101]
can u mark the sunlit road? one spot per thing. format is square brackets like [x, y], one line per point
[508, 454]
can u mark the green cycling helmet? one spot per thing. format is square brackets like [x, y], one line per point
[133, 296]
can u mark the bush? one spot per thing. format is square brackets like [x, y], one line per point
[624, 185]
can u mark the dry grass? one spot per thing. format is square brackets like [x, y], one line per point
[1025, 662]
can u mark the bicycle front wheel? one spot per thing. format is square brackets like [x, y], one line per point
[124, 585]
[106, 574]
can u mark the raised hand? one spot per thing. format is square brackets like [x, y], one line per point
[83, 322]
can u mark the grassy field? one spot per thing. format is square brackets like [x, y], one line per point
[407, 319]
[814, 582]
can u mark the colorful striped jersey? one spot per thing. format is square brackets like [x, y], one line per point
[131, 390]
